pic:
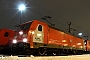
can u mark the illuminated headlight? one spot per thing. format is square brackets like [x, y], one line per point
[24, 40]
[32, 32]
[14, 41]
[21, 32]
[85, 43]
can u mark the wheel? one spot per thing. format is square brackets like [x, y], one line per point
[55, 52]
[74, 52]
[42, 51]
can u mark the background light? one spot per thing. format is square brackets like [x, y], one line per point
[80, 34]
[21, 7]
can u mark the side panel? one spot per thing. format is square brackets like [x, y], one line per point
[3, 39]
[68, 37]
[72, 41]
[55, 37]
[80, 43]
[45, 34]
[5, 36]
[76, 42]
[65, 40]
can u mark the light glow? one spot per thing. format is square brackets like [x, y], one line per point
[29, 31]
[32, 32]
[81, 46]
[85, 43]
[65, 44]
[21, 7]
[78, 43]
[74, 45]
[24, 40]
[21, 32]
[63, 40]
[14, 41]
[80, 34]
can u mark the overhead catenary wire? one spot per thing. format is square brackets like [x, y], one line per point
[41, 14]
[43, 9]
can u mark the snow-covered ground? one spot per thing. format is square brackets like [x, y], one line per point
[73, 57]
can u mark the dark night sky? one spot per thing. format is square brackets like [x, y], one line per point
[62, 11]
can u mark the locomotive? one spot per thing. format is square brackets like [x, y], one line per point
[6, 35]
[36, 37]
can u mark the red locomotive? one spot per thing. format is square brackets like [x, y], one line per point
[6, 35]
[38, 37]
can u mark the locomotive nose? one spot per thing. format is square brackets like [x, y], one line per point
[22, 45]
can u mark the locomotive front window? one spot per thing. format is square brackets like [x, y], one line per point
[6, 34]
[25, 26]
[39, 28]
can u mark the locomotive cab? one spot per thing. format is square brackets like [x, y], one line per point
[21, 35]
[29, 35]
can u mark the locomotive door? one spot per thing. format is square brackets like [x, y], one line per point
[38, 35]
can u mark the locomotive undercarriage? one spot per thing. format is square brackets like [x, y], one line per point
[58, 51]
[40, 49]
[43, 49]
[50, 49]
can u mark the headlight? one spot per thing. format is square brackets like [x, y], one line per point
[14, 41]
[85, 43]
[24, 40]
[32, 32]
[15, 37]
[21, 32]
[24, 35]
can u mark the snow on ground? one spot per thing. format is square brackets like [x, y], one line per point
[73, 57]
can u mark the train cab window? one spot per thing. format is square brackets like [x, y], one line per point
[40, 28]
[6, 34]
